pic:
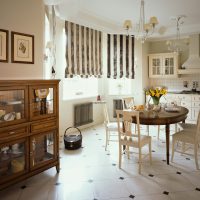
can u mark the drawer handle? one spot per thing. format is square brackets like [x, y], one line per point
[11, 133]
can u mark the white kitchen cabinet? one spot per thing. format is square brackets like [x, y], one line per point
[195, 107]
[163, 65]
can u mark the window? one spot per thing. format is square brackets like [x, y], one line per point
[119, 86]
[75, 88]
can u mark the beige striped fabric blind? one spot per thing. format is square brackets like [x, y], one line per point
[83, 51]
[120, 59]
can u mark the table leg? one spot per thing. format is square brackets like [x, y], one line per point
[167, 128]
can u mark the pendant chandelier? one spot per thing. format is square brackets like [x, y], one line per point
[143, 29]
[175, 45]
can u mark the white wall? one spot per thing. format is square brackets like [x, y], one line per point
[24, 16]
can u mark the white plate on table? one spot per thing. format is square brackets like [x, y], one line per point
[172, 109]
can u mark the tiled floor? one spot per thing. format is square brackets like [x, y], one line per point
[91, 173]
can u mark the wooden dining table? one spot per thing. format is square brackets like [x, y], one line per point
[164, 118]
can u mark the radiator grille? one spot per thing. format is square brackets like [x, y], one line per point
[83, 114]
[117, 105]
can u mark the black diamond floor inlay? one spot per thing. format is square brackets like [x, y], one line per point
[90, 181]
[153, 151]
[121, 178]
[113, 164]
[131, 196]
[165, 192]
[151, 175]
[187, 158]
[198, 189]
[178, 172]
[164, 160]
[57, 184]
[107, 154]
[23, 187]
[100, 139]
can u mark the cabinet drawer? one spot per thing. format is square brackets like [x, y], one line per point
[196, 104]
[43, 125]
[7, 134]
[196, 98]
[186, 104]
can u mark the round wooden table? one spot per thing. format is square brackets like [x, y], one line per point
[164, 118]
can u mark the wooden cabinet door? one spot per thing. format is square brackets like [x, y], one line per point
[43, 149]
[13, 159]
[43, 101]
[13, 105]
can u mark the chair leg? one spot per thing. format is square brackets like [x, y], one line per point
[173, 144]
[128, 152]
[195, 155]
[106, 139]
[148, 129]
[140, 160]
[183, 147]
[176, 128]
[120, 155]
[150, 156]
[158, 137]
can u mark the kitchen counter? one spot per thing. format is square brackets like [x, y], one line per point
[184, 92]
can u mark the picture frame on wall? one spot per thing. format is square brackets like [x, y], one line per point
[3, 45]
[22, 48]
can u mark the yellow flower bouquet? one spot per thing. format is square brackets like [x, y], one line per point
[156, 93]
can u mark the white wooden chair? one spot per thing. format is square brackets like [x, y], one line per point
[189, 136]
[128, 138]
[111, 127]
[127, 102]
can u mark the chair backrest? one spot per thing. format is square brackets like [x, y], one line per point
[198, 127]
[106, 116]
[127, 130]
[128, 102]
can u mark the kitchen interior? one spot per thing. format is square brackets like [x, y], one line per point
[90, 172]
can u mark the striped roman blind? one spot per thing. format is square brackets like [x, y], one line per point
[120, 55]
[83, 51]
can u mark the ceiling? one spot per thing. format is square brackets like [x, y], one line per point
[109, 15]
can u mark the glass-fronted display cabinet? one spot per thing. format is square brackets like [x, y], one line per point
[13, 159]
[29, 128]
[13, 104]
[163, 65]
[42, 148]
[42, 102]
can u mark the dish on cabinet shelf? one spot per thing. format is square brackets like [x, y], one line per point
[9, 116]
[42, 93]
[10, 102]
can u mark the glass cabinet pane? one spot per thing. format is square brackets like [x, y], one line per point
[12, 105]
[43, 102]
[43, 148]
[12, 159]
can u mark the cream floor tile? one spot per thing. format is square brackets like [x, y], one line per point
[186, 195]
[141, 185]
[109, 189]
[173, 182]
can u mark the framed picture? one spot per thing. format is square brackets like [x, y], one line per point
[22, 48]
[3, 45]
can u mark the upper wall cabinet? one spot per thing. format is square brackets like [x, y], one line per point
[163, 65]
